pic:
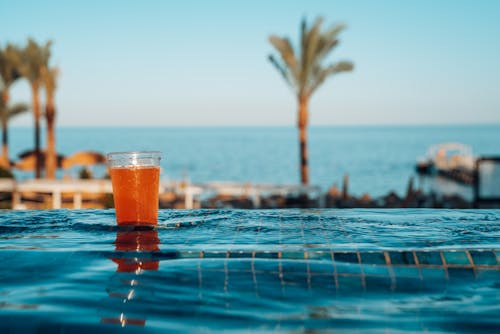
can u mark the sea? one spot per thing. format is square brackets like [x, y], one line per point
[377, 159]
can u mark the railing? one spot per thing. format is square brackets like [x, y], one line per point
[192, 193]
[57, 187]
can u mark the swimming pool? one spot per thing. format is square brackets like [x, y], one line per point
[262, 271]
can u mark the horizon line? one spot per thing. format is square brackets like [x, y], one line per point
[267, 125]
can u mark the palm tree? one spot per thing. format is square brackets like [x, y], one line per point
[10, 60]
[35, 57]
[6, 113]
[305, 72]
[49, 77]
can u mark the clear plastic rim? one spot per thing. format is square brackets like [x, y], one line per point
[127, 154]
[133, 158]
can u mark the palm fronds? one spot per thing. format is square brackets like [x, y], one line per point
[304, 70]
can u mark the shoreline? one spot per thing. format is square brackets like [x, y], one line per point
[97, 193]
[269, 126]
[376, 159]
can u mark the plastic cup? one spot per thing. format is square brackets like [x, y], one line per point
[135, 178]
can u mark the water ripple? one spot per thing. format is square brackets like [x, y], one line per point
[263, 270]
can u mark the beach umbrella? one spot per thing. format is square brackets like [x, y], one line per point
[27, 160]
[87, 159]
[84, 158]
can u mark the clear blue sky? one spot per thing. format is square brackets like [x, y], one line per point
[177, 63]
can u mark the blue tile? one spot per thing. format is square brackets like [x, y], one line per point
[488, 274]
[350, 283]
[483, 258]
[431, 258]
[319, 255]
[408, 284]
[240, 279]
[240, 255]
[266, 255]
[398, 258]
[292, 255]
[461, 274]
[189, 255]
[212, 264]
[378, 283]
[347, 268]
[346, 257]
[291, 266]
[371, 270]
[321, 267]
[239, 265]
[457, 258]
[266, 265]
[215, 254]
[322, 282]
[433, 273]
[373, 258]
[406, 272]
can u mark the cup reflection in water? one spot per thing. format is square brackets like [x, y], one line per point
[135, 177]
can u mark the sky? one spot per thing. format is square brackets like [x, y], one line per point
[204, 63]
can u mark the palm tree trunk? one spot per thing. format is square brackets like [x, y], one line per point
[302, 125]
[36, 114]
[50, 158]
[5, 162]
[5, 148]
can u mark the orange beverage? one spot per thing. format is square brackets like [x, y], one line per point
[135, 177]
[135, 192]
[136, 241]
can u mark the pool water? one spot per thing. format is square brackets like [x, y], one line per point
[369, 271]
